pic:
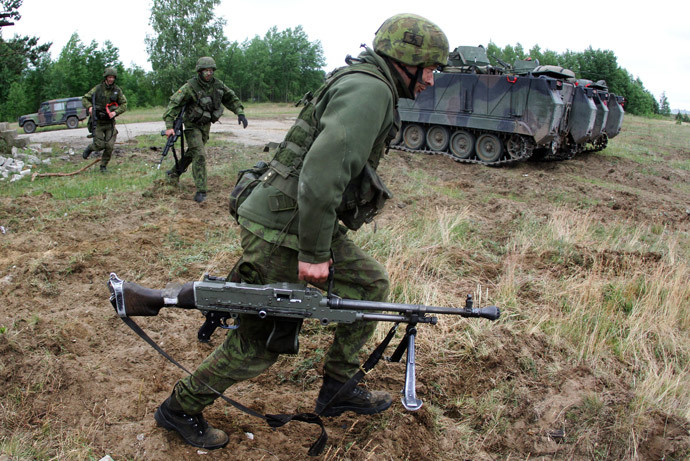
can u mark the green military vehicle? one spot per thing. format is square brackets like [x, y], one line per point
[480, 113]
[55, 112]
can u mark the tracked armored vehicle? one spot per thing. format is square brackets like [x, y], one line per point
[478, 113]
[610, 112]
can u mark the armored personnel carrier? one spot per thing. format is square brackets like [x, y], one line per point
[610, 112]
[478, 113]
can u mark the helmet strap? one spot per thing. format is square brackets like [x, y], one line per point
[414, 78]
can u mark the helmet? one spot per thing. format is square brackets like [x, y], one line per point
[110, 71]
[205, 62]
[412, 40]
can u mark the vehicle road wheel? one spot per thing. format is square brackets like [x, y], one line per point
[437, 138]
[516, 146]
[462, 144]
[489, 148]
[29, 126]
[72, 122]
[413, 136]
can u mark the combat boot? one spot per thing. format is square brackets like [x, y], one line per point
[87, 152]
[192, 428]
[103, 169]
[172, 177]
[359, 400]
[200, 197]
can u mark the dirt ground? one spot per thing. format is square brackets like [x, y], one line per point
[94, 380]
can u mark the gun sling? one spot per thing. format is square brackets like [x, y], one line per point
[280, 420]
[134, 300]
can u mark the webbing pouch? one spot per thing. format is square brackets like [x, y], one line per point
[247, 180]
[363, 198]
[284, 338]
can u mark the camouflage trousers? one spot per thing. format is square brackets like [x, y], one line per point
[104, 140]
[244, 354]
[195, 155]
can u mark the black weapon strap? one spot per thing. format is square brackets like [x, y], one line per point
[181, 147]
[373, 359]
[273, 420]
[280, 420]
[364, 369]
[177, 163]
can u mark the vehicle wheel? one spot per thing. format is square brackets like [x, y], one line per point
[489, 148]
[462, 144]
[29, 126]
[413, 136]
[72, 122]
[516, 146]
[437, 138]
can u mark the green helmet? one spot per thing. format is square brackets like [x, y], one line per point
[110, 71]
[412, 40]
[205, 62]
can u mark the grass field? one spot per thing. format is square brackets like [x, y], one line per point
[587, 258]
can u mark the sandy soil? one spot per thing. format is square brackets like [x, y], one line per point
[91, 378]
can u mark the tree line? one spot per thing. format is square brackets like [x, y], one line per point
[281, 66]
[592, 65]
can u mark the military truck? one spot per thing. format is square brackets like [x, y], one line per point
[479, 113]
[69, 111]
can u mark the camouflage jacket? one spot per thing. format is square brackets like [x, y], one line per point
[345, 127]
[204, 100]
[105, 94]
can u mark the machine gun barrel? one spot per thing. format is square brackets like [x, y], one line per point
[489, 312]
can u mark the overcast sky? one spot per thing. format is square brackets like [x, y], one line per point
[651, 40]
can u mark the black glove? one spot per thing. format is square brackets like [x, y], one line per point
[242, 120]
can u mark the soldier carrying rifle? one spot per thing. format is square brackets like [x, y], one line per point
[204, 97]
[104, 102]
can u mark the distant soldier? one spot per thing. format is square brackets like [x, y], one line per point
[204, 97]
[110, 102]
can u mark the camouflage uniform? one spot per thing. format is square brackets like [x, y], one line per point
[244, 353]
[205, 101]
[275, 235]
[105, 133]
[323, 174]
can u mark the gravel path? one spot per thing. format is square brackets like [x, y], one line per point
[257, 133]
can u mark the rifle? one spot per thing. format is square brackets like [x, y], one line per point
[220, 300]
[93, 117]
[172, 139]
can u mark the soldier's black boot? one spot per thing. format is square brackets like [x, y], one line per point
[192, 428]
[358, 399]
[103, 169]
[87, 152]
[200, 197]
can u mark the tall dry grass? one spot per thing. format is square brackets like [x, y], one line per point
[625, 298]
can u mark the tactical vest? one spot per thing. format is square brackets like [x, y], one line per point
[365, 195]
[207, 107]
[103, 97]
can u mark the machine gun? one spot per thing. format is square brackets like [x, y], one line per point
[172, 139]
[220, 300]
